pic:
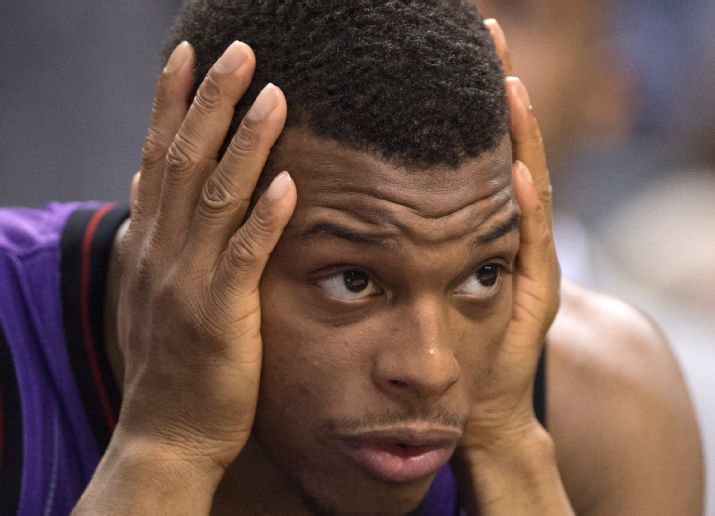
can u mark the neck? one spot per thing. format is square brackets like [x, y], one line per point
[252, 483]
[262, 491]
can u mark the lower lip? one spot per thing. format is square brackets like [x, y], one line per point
[396, 463]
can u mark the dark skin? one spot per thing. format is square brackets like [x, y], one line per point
[402, 342]
[192, 335]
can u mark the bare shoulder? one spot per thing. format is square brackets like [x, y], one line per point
[619, 412]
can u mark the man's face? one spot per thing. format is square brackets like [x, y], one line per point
[384, 302]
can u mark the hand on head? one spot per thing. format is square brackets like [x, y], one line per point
[504, 407]
[189, 310]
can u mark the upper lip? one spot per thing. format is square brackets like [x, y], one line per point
[410, 435]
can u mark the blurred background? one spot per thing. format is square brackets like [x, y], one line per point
[623, 89]
[76, 83]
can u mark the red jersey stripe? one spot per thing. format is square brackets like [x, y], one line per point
[89, 346]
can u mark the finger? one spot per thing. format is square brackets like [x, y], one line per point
[538, 276]
[133, 193]
[500, 43]
[242, 264]
[170, 106]
[226, 195]
[192, 155]
[528, 144]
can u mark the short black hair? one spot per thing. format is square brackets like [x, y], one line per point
[416, 82]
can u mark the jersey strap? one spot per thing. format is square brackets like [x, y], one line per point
[86, 247]
[540, 388]
[10, 432]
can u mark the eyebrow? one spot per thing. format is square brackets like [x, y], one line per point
[499, 231]
[322, 229]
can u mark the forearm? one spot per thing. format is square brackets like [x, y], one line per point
[136, 478]
[515, 476]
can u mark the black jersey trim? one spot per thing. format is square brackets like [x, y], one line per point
[540, 389]
[86, 245]
[11, 452]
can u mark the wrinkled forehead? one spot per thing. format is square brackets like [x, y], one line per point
[325, 170]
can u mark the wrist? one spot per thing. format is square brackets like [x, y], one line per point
[514, 474]
[496, 446]
[169, 459]
[140, 476]
[521, 451]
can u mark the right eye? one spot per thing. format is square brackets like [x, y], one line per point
[349, 285]
[484, 282]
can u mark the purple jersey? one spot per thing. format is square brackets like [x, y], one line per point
[58, 399]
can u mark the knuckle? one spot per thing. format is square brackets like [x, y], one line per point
[545, 199]
[240, 254]
[161, 99]
[154, 149]
[209, 96]
[246, 141]
[180, 157]
[544, 233]
[217, 196]
[259, 226]
[536, 137]
[243, 251]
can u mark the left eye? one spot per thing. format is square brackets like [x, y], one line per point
[483, 281]
[349, 285]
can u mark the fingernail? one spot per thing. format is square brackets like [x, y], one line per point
[279, 186]
[524, 172]
[495, 26]
[264, 104]
[232, 58]
[177, 58]
[523, 94]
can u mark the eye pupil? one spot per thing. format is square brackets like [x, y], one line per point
[355, 280]
[488, 275]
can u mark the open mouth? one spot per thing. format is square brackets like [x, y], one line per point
[398, 461]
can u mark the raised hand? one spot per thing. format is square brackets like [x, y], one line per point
[505, 457]
[189, 310]
[505, 395]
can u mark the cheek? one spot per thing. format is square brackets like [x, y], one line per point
[480, 338]
[307, 373]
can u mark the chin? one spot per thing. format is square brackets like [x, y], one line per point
[327, 483]
[395, 500]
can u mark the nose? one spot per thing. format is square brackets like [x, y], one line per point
[416, 360]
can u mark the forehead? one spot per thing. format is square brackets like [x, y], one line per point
[370, 199]
[325, 170]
